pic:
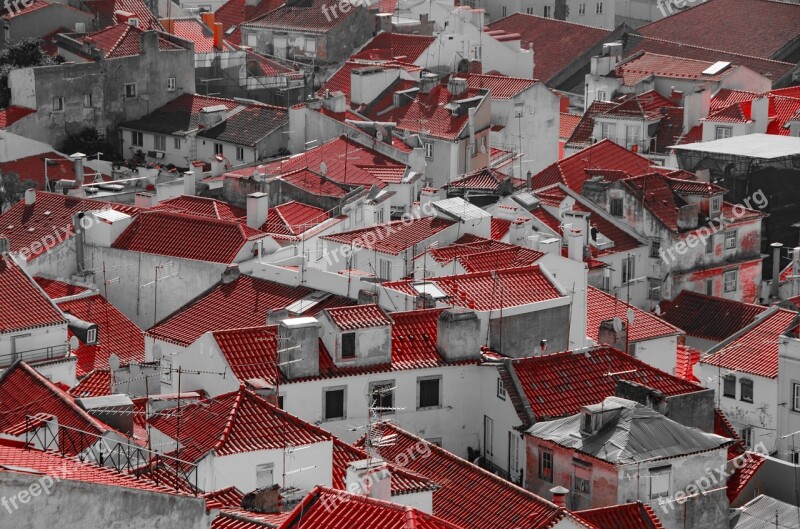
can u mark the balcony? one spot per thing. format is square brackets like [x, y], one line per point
[35, 355]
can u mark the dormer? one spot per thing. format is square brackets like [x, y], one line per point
[596, 416]
[357, 336]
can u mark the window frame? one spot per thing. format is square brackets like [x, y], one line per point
[727, 132]
[743, 396]
[655, 246]
[171, 84]
[726, 282]
[129, 94]
[219, 149]
[614, 211]
[796, 396]
[730, 378]
[91, 336]
[325, 392]
[385, 275]
[137, 138]
[160, 142]
[628, 271]
[429, 378]
[428, 146]
[379, 384]
[731, 239]
[350, 336]
[546, 462]
[270, 467]
[501, 389]
[660, 471]
[176, 142]
[58, 104]
[240, 154]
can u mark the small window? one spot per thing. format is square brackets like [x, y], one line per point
[87, 100]
[91, 336]
[602, 96]
[159, 142]
[218, 149]
[547, 11]
[58, 104]
[429, 392]
[429, 147]
[240, 153]
[730, 240]
[349, 345]
[501, 389]
[133, 21]
[723, 132]
[320, 249]
[628, 269]
[504, 11]
[334, 403]
[616, 207]
[716, 203]
[730, 279]
[546, 465]
[166, 370]
[747, 436]
[488, 435]
[655, 246]
[171, 84]
[709, 244]
[130, 90]
[382, 396]
[384, 269]
[581, 9]
[265, 475]
[653, 290]
[729, 386]
[659, 482]
[600, 8]
[137, 138]
[608, 130]
[709, 287]
[795, 397]
[747, 390]
[582, 485]
[177, 142]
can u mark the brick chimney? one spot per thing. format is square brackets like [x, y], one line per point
[559, 496]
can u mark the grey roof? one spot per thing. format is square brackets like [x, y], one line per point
[630, 433]
[763, 146]
[759, 513]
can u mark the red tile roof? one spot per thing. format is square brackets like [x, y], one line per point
[567, 124]
[33, 168]
[427, 114]
[685, 360]
[25, 392]
[394, 46]
[234, 12]
[750, 463]
[555, 42]
[498, 260]
[499, 228]
[312, 16]
[116, 334]
[358, 317]
[12, 114]
[293, 218]
[58, 289]
[627, 516]
[486, 179]
[393, 237]
[341, 80]
[227, 497]
[234, 423]
[500, 86]
[96, 383]
[639, 67]
[466, 245]
[754, 349]
[604, 154]
[492, 290]
[241, 303]
[557, 385]
[202, 207]
[708, 317]
[726, 97]
[695, 135]
[193, 30]
[325, 507]
[22, 303]
[241, 519]
[314, 183]
[464, 485]
[105, 12]
[122, 40]
[601, 306]
[735, 113]
[186, 236]
[49, 216]
[723, 25]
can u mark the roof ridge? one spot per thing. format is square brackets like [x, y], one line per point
[548, 19]
[226, 431]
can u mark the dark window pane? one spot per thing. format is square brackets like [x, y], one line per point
[429, 393]
[349, 345]
[334, 404]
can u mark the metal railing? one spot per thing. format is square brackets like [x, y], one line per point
[35, 355]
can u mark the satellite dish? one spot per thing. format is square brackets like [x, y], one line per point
[616, 323]
[157, 352]
[323, 168]
[379, 135]
[630, 316]
[74, 343]
[113, 362]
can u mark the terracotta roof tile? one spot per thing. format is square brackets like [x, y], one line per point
[122, 40]
[96, 383]
[500, 86]
[395, 46]
[105, 12]
[393, 237]
[202, 207]
[685, 360]
[234, 12]
[638, 68]
[358, 317]
[500, 228]
[241, 519]
[708, 317]
[13, 113]
[742, 474]
[486, 179]
[601, 306]
[306, 16]
[22, 303]
[33, 168]
[58, 289]
[293, 218]
[249, 125]
[627, 516]
[567, 124]
[179, 115]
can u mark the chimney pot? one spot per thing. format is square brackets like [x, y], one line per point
[30, 197]
[559, 495]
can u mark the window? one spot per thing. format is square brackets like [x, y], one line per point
[384, 269]
[547, 11]
[546, 465]
[794, 457]
[359, 213]
[655, 246]
[133, 21]
[311, 45]
[429, 392]
[320, 249]
[488, 435]
[8, 34]
[608, 130]
[716, 202]
[599, 8]
[240, 153]
[653, 290]
[87, 100]
[529, 10]
[730, 240]
[177, 142]
[137, 138]
[730, 280]
[582, 485]
[795, 396]
[587, 423]
[513, 454]
[628, 269]
[349, 345]
[429, 148]
[382, 396]
[659, 482]
[616, 207]
[379, 216]
[130, 90]
[265, 475]
[252, 40]
[723, 132]
[159, 142]
[166, 370]
[501, 389]
[333, 403]
[581, 9]
[747, 390]
[218, 148]
[709, 287]
[632, 136]
[747, 436]
[729, 386]
[504, 11]
[601, 95]
[58, 104]
[91, 336]
[710, 244]
[170, 84]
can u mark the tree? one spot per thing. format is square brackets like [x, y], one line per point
[89, 142]
[23, 54]
[12, 189]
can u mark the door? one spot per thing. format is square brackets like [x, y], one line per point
[488, 436]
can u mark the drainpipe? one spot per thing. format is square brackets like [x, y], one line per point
[776, 269]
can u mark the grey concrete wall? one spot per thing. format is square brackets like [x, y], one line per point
[695, 410]
[44, 21]
[75, 504]
[517, 336]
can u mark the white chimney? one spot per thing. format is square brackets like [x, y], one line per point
[575, 244]
[188, 183]
[78, 159]
[257, 209]
[30, 197]
[369, 477]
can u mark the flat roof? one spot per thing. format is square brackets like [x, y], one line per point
[764, 146]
